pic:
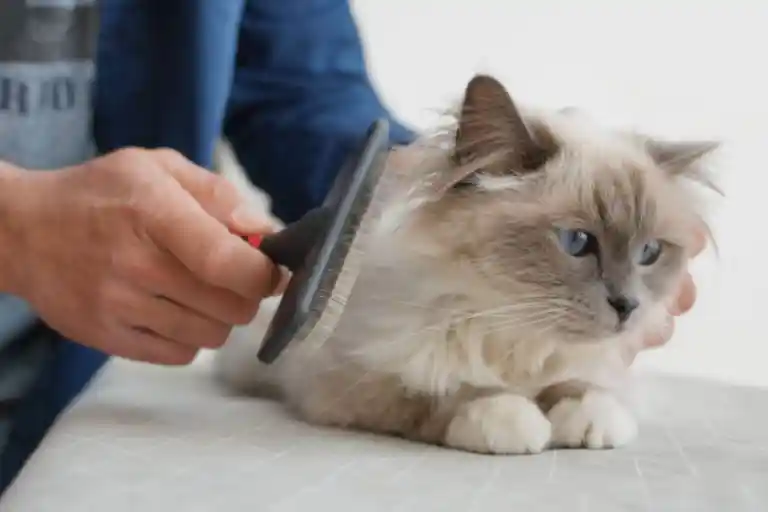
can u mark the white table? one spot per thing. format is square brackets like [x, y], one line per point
[155, 440]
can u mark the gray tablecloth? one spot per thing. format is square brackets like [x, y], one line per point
[154, 439]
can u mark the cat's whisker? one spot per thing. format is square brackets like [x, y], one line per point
[531, 310]
[538, 333]
[449, 324]
[532, 315]
[528, 322]
[504, 311]
[498, 310]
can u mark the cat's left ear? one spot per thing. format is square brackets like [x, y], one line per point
[683, 158]
[680, 157]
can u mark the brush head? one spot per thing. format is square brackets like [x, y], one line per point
[324, 250]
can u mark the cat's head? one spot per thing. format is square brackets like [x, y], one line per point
[583, 231]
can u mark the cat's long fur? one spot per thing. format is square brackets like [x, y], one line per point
[468, 325]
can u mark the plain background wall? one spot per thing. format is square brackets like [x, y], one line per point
[679, 69]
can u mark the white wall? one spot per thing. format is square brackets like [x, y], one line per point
[688, 68]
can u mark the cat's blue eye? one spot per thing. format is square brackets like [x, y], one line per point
[577, 242]
[650, 253]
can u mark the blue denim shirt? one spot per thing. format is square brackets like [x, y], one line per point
[285, 80]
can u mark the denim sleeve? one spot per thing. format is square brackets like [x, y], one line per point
[301, 99]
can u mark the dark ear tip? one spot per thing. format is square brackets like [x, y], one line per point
[483, 78]
[483, 81]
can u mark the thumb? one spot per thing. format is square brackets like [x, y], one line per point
[215, 194]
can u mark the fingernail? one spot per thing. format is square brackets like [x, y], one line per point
[280, 278]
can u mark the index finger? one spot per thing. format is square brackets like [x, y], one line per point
[204, 245]
[215, 194]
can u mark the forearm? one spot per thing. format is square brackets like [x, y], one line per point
[301, 99]
[12, 194]
[295, 165]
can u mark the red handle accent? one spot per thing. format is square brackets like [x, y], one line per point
[254, 240]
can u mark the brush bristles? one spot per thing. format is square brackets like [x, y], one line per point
[338, 283]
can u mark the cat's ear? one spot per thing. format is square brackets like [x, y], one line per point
[492, 132]
[683, 158]
[679, 156]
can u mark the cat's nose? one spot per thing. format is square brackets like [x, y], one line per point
[623, 305]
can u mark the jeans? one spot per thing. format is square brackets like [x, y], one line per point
[67, 370]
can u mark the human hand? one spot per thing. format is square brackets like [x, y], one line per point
[681, 303]
[131, 253]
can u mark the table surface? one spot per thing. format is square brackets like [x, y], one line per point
[154, 439]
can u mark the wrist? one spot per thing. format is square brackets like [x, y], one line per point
[14, 183]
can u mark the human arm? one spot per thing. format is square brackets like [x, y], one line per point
[131, 253]
[301, 99]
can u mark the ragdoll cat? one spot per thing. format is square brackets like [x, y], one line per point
[512, 271]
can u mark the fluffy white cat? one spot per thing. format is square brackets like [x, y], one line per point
[511, 275]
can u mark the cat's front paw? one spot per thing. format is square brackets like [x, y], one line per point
[503, 424]
[596, 420]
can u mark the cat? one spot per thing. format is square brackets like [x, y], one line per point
[518, 260]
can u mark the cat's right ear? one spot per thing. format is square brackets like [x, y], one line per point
[491, 131]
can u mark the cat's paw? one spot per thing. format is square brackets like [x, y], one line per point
[503, 424]
[597, 420]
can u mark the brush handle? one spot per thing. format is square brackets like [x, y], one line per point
[290, 246]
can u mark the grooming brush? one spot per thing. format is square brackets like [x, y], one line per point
[323, 250]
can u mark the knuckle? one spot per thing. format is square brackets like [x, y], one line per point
[110, 297]
[129, 153]
[222, 188]
[106, 293]
[218, 192]
[132, 265]
[133, 178]
[215, 261]
[169, 156]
